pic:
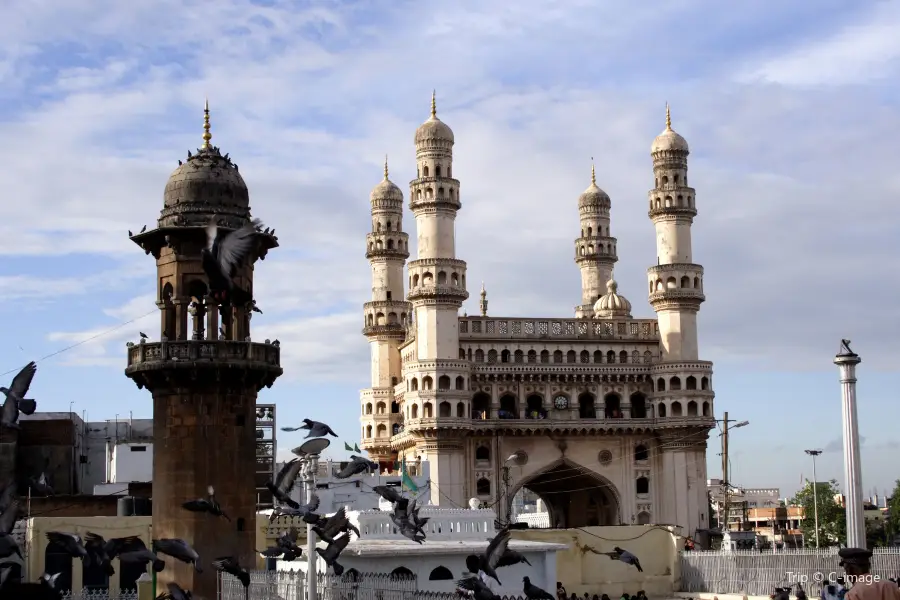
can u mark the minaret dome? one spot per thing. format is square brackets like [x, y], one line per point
[669, 140]
[434, 129]
[386, 189]
[593, 196]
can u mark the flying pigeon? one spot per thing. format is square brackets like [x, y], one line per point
[207, 505]
[230, 565]
[71, 543]
[133, 550]
[357, 465]
[175, 592]
[16, 402]
[285, 546]
[333, 552]
[335, 524]
[533, 592]
[8, 545]
[316, 429]
[40, 487]
[490, 559]
[179, 549]
[284, 482]
[222, 256]
[510, 558]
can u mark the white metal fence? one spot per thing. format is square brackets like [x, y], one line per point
[87, 594]
[756, 572]
[291, 585]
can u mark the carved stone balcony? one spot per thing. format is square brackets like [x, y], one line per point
[191, 363]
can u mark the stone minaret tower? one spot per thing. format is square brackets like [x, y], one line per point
[437, 291]
[676, 292]
[386, 318]
[676, 283]
[204, 383]
[595, 250]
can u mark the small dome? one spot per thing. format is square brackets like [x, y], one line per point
[386, 189]
[612, 304]
[207, 178]
[669, 139]
[593, 195]
[434, 129]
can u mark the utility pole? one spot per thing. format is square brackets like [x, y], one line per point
[815, 487]
[309, 453]
[726, 484]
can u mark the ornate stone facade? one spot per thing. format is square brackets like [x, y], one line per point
[604, 416]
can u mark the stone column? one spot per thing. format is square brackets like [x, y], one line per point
[846, 360]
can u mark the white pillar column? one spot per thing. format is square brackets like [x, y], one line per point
[846, 361]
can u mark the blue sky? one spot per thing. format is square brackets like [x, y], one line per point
[791, 110]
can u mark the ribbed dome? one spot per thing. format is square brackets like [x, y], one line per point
[669, 139]
[612, 304]
[386, 189]
[207, 178]
[593, 195]
[434, 129]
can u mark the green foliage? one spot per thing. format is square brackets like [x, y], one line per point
[832, 517]
[892, 526]
[713, 521]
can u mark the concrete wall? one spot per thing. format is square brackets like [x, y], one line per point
[131, 462]
[581, 570]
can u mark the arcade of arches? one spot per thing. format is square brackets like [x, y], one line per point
[575, 497]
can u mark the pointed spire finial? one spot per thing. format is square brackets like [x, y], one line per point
[206, 134]
[593, 173]
[483, 291]
[668, 118]
[483, 304]
[385, 168]
[434, 104]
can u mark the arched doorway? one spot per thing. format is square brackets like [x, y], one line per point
[573, 495]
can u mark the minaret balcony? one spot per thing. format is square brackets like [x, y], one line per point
[438, 293]
[388, 330]
[188, 363]
[661, 211]
[676, 282]
[677, 299]
[425, 201]
[595, 249]
[393, 244]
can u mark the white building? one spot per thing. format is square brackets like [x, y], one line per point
[130, 462]
[452, 535]
[604, 416]
[355, 492]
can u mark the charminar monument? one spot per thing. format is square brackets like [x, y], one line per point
[605, 417]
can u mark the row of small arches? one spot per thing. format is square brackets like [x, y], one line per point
[667, 202]
[412, 384]
[380, 408]
[673, 284]
[664, 180]
[587, 405]
[379, 318]
[437, 171]
[585, 357]
[590, 231]
[599, 249]
[641, 453]
[427, 278]
[387, 226]
[429, 193]
[389, 245]
[677, 410]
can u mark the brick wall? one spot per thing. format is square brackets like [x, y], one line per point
[74, 506]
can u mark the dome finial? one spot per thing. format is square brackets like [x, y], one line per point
[668, 118]
[593, 173]
[206, 134]
[434, 104]
[385, 168]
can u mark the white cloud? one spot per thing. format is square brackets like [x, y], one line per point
[861, 52]
[308, 103]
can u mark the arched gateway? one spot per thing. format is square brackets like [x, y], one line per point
[573, 495]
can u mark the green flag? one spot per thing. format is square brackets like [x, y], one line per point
[356, 448]
[405, 480]
[348, 448]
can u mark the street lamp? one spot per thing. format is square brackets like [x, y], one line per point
[309, 454]
[815, 487]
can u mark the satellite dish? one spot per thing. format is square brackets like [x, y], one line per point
[314, 446]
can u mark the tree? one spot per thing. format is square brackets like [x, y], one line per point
[832, 517]
[892, 525]
[713, 520]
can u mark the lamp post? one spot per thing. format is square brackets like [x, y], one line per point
[726, 485]
[309, 453]
[846, 361]
[815, 487]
